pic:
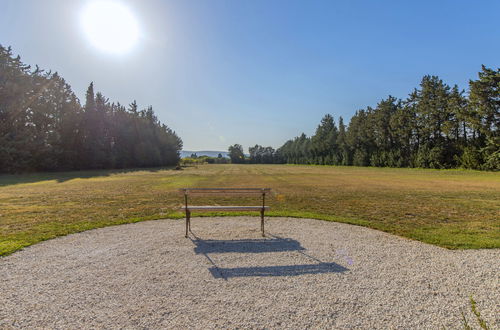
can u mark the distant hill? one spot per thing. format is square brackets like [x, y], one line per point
[209, 153]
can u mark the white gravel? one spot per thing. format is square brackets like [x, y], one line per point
[305, 274]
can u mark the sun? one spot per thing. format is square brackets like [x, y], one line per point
[110, 26]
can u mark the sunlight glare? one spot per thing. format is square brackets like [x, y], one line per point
[110, 26]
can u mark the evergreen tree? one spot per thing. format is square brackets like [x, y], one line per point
[324, 142]
[385, 151]
[436, 126]
[484, 100]
[44, 127]
[343, 147]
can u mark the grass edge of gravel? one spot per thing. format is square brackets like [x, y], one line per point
[16, 242]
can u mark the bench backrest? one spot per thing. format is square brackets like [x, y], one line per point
[232, 191]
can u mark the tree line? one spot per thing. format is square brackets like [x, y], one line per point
[256, 155]
[436, 126]
[194, 159]
[43, 126]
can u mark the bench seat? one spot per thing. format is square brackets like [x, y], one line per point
[225, 208]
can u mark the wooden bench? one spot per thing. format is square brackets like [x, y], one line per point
[224, 191]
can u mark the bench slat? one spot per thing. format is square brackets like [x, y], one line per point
[224, 208]
[225, 190]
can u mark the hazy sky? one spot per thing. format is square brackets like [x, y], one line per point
[249, 71]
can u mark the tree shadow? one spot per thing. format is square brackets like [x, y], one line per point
[13, 179]
[274, 244]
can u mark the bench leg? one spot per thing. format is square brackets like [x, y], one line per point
[262, 222]
[188, 222]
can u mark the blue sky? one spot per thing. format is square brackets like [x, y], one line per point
[252, 71]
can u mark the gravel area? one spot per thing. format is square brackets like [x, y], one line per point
[304, 274]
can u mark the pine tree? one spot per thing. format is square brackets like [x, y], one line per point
[44, 127]
[324, 142]
[485, 103]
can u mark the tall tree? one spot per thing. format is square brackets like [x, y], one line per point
[344, 152]
[324, 142]
[236, 154]
[436, 126]
[44, 127]
[485, 103]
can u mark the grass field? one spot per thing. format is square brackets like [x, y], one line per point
[450, 208]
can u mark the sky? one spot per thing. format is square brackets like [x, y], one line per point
[220, 72]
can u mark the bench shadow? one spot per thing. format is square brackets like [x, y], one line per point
[288, 270]
[274, 244]
[246, 245]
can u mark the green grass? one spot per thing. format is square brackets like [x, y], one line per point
[455, 209]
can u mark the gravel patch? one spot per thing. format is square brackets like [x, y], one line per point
[304, 274]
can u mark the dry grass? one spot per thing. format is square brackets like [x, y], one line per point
[449, 208]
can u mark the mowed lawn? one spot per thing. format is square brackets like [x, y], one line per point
[450, 208]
